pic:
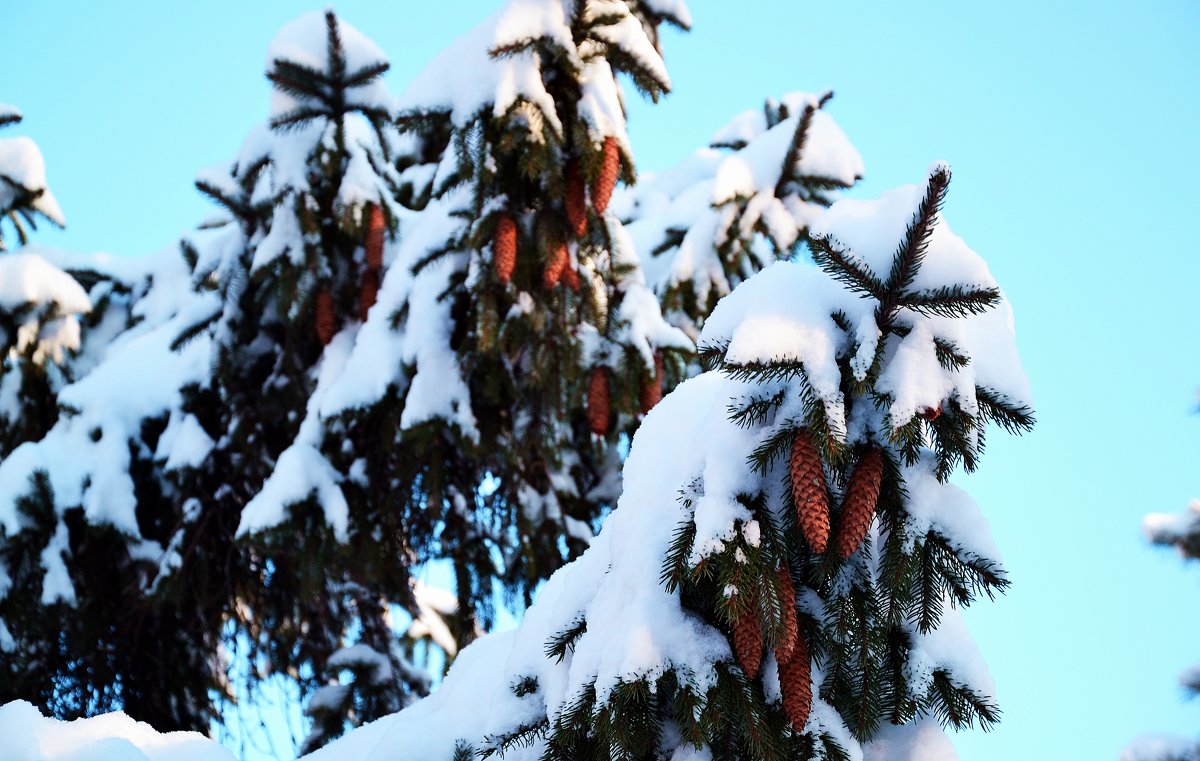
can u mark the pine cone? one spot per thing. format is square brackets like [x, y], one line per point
[368, 293]
[326, 320]
[575, 202]
[795, 681]
[932, 413]
[791, 632]
[606, 181]
[376, 227]
[652, 386]
[599, 402]
[505, 248]
[858, 508]
[808, 492]
[571, 277]
[747, 642]
[556, 263]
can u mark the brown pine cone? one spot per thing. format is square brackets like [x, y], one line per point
[795, 682]
[376, 227]
[783, 651]
[556, 263]
[368, 293]
[599, 402]
[505, 248]
[932, 413]
[326, 320]
[747, 642]
[808, 491]
[575, 202]
[652, 386]
[606, 181]
[858, 508]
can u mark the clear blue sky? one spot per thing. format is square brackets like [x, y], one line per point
[1071, 127]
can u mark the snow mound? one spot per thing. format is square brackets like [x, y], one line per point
[29, 736]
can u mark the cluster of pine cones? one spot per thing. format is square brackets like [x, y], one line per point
[812, 512]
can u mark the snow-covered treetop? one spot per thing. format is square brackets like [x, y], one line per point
[733, 208]
[304, 45]
[328, 98]
[765, 320]
[500, 66]
[24, 194]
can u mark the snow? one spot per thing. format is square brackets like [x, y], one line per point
[137, 376]
[1157, 748]
[380, 352]
[629, 36]
[360, 655]
[184, 443]
[465, 78]
[947, 510]
[676, 10]
[22, 165]
[26, 278]
[922, 740]
[29, 736]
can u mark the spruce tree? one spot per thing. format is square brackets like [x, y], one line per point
[783, 575]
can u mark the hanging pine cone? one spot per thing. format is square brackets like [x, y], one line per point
[652, 386]
[556, 263]
[808, 491]
[795, 681]
[575, 202]
[376, 227]
[606, 181]
[571, 276]
[747, 642]
[504, 248]
[599, 402]
[326, 320]
[791, 631]
[858, 508]
[368, 293]
[932, 413]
